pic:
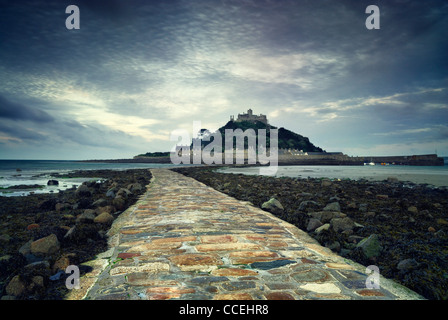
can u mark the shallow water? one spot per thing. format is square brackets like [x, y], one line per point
[433, 175]
[30, 172]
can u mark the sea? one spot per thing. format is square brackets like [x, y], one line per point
[38, 172]
[433, 176]
[30, 172]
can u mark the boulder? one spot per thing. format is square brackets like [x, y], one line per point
[83, 191]
[370, 246]
[41, 266]
[111, 193]
[272, 205]
[108, 209]
[52, 183]
[100, 203]
[407, 265]
[135, 187]
[334, 206]
[45, 246]
[16, 287]
[81, 233]
[119, 203]
[413, 209]
[37, 284]
[326, 216]
[89, 211]
[313, 224]
[342, 224]
[104, 218]
[322, 228]
[83, 203]
[63, 262]
[86, 217]
[25, 248]
[124, 193]
[307, 204]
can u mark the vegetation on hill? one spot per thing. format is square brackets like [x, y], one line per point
[286, 138]
[154, 154]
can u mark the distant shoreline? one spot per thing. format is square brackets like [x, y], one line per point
[331, 160]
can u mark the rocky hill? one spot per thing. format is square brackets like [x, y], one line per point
[286, 138]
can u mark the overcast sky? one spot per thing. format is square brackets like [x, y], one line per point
[137, 70]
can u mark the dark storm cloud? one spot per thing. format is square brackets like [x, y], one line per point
[16, 111]
[88, 135]
[66, 132]
[19, 131]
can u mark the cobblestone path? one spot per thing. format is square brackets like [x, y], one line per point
[185, 240]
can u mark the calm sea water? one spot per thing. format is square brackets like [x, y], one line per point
[38, 172]
[28, 172]
[433, 175]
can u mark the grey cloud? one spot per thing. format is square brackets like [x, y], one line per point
[86, 135]
[16, 111]
[21, 132]
[65, 133]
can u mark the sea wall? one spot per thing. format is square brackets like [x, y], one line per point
[414, 160]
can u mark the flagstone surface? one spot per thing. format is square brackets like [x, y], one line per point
[185, 240]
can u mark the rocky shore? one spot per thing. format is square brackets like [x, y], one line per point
[400, 227]
[42, 234]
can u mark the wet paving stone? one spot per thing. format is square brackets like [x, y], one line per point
[311, 275]
[238, 285]
[271, 264]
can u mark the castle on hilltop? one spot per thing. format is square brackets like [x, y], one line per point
[249, 116]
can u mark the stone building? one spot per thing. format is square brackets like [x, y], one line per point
[249, 116]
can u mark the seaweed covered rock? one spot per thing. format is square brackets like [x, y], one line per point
[83, 191]
[370, 246]
[104, 218]
[272, 205]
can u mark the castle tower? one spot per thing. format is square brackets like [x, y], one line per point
[249, 116]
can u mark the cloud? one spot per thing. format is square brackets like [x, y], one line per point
[16, 111]
[403, 104]
[19, 132]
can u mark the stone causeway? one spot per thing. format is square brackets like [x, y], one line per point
[186, 241]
